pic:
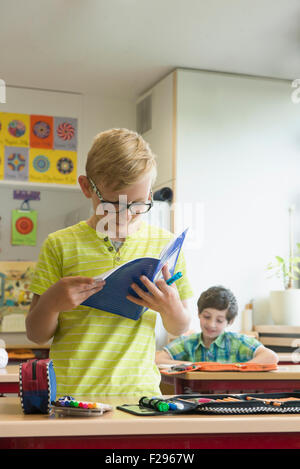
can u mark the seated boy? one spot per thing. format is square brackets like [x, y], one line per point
[217, 308]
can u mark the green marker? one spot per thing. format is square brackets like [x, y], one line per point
[156, 404]
[162, 406]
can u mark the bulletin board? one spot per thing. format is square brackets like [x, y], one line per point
[15, 296]
[38, 148]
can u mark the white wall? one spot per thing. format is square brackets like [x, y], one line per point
[238, 145]
[102, 113]
[160, 137]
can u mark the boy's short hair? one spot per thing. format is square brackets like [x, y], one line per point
[119, 158]
[220, 298]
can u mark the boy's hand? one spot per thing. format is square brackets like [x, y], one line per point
[160, 297]
[70, 292]
[164, 299]
[66, 294]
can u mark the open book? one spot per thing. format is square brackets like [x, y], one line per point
[118, 280]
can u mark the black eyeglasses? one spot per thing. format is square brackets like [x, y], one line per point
[135, 208]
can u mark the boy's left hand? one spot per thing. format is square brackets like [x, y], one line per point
[160, 297]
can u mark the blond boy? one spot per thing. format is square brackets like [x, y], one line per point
[95, 352]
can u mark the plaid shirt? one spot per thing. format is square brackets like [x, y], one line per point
[229, 347]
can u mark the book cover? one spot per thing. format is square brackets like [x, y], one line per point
[113, 296]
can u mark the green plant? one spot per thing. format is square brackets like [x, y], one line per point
[286, 269]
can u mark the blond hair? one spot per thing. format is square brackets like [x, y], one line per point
[119, 158]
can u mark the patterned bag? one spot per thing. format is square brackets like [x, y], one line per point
[257, 403]
[215, 366]
[37, 386]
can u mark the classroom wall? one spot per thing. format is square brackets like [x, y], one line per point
[160, 136]
[238, 158]
[59, 205]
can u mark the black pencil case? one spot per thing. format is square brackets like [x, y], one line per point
[257, 403]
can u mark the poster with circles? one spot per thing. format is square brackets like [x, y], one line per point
[24, 227]
[38, 148]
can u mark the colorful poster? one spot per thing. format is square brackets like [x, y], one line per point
[16, 163]
[51, 166]
[40, 165]
[15, 297]
[24, 227]
[41, 131]
[64, 169]
[38, 148]
[65, 133]
[16, 129]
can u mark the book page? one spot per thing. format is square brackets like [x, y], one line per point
[108, 273]
[169, 255]
[171, 262]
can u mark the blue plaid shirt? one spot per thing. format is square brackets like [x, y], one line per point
[229, 347]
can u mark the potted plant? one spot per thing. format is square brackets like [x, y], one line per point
[285, 303]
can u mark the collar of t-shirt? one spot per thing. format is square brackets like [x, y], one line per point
[219, 341]
[116, 244]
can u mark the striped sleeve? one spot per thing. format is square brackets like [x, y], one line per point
[247, 347]
[176, 349]
[48, 269]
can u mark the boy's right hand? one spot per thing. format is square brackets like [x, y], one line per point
[70, 292]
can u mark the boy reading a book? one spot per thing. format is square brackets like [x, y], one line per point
[217, 308]
[95, 352]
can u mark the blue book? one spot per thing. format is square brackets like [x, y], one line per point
[112, 297]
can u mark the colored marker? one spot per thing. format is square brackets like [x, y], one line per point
[156, 404]
[205, 400]
[174, 278]
[172, 406]
[179, 405]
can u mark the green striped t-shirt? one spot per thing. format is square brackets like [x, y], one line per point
[95, 352]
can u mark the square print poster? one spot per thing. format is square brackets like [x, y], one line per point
[38, 148]
[65, 133]
[16, 163]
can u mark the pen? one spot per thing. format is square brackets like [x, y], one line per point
[174, 278]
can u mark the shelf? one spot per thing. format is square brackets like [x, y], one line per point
[277, 329]
[38, 186]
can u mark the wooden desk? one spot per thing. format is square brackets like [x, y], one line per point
[286, 378]
[120, 430]
[9, 379]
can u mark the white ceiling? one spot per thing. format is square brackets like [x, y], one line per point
[122, 47]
